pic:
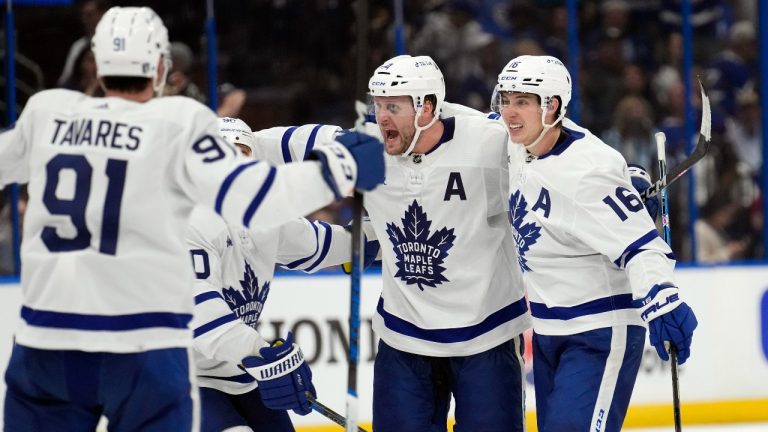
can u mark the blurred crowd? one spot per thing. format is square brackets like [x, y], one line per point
[293, 62]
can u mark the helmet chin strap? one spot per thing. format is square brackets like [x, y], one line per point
[419, 129]
[546, 128]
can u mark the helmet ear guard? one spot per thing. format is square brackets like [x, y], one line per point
[131, 42]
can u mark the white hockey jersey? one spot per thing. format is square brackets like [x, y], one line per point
[586, 244]
[234, 268]
[450, 286]
[111, 186]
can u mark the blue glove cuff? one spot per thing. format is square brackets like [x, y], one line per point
[661, 299]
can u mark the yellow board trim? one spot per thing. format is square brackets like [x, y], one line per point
[693, 413]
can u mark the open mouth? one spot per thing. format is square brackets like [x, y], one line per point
[391, 134]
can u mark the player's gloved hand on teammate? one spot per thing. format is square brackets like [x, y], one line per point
[283, 376]
[370, 252]
[669, 320]
[353, 160]
[642, 181]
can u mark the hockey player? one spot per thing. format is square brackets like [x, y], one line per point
[452, 309]
[234, 267]
[106, 280]
[596, 270]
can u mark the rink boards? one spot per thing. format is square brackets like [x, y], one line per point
[726, 379]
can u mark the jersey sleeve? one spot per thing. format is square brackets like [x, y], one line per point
[310, 246]
[218, 333]
[15, 148]
[611, 218]
[244, 191]
[282, 145]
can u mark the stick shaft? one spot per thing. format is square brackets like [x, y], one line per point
[666, 234]
[328, 412]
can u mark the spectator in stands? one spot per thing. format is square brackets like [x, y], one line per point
[83, 78]
[6, 228]
[452, 36]
[744, 131]
[713, 244]
[735, 67]
[231, 99]
[632, 132]
[90, 14]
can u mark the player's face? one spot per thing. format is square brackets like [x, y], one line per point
[395, 115]
[521, 113]
[244, 149]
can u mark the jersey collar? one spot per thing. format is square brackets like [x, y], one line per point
[567, 137]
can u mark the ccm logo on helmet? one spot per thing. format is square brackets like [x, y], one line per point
[378, 83]
[508, 78]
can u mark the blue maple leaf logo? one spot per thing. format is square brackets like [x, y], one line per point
[525, 234]
[247, 302]
[420, 255]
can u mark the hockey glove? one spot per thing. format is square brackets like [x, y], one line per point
[642, 181]
[283, 376]
[669, 320]
[342, 158]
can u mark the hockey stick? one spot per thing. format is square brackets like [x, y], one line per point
[702, 146]
[329, 413]
[357, 238]
[666, 234]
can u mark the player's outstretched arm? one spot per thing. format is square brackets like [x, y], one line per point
[283, 375]
[259, 195]
[280, 145]
[310, 246]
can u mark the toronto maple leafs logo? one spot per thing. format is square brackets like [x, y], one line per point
[248, 301]
[419, 255]
[525, 234]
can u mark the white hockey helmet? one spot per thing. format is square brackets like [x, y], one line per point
[236, 131]
[545, 76]
[417, 77]
[129, 42]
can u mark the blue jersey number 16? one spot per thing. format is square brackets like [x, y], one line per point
[75, 207]
[630, 201]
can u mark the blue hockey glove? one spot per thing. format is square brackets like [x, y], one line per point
[669, 320]
[353, 160]
[642, 181]
[369, 155]
[283, 376]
